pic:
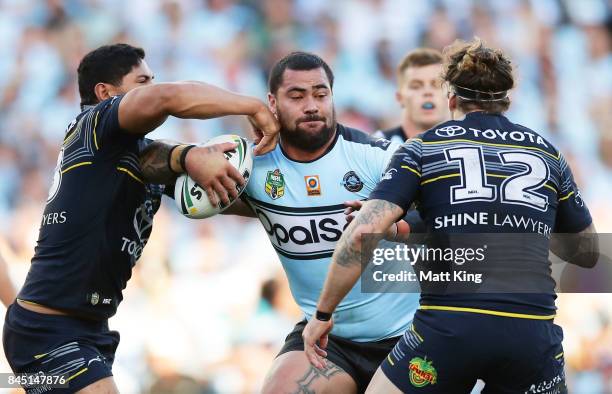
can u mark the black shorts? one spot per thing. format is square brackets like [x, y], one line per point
[80, 350]
[445, 352]
[358, 359]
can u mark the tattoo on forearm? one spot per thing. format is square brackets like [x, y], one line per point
[349, 253]
[306, 383]
[154, 163]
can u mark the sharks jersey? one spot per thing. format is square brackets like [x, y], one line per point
[300, 205]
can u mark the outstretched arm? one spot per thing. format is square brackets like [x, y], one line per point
[374, 218]
[160, 162]
[145, 108]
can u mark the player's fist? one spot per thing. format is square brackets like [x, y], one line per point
[209, 168]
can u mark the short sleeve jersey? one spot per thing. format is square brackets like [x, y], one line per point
[301, 207]
[97, 219]
[485, 174]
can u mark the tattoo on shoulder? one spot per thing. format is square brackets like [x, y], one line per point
[306, 383]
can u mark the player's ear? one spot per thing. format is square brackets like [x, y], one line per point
[272, 103]
[452, 102]
[399, 98]
[102, 91]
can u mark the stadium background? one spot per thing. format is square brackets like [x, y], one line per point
[208, 306]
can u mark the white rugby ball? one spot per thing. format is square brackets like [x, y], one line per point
[191, 199]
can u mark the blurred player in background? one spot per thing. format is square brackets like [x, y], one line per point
[100, 209]
[479, 163]
[422, 97]
[297, 191]
[420, 93]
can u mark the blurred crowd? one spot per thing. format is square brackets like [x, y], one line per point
[208, 306]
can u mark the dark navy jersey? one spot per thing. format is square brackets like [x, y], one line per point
[485, 174]
[97, 219]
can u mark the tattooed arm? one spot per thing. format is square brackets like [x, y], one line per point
[397, 232]
[155, 165]
[206, 165]
[374, 218]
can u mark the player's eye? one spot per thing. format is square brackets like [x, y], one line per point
[415, 85]
[295, 97]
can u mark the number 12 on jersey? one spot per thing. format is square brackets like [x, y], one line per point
[518, 189]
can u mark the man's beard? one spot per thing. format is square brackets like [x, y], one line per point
[304, 139]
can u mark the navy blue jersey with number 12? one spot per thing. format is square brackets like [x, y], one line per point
[485, 174]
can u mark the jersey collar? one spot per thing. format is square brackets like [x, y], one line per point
[482, 113]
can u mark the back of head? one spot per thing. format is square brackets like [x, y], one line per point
[106, 64]
[298, 61]
[479, 76]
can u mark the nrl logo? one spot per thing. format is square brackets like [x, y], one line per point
[275, 184]
[95, 297]
[422, 372]
[450, 131]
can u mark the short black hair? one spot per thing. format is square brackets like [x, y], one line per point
[107, 64]
[299, 61]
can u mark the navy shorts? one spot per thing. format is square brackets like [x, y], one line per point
[82, 351]
[447, 351]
